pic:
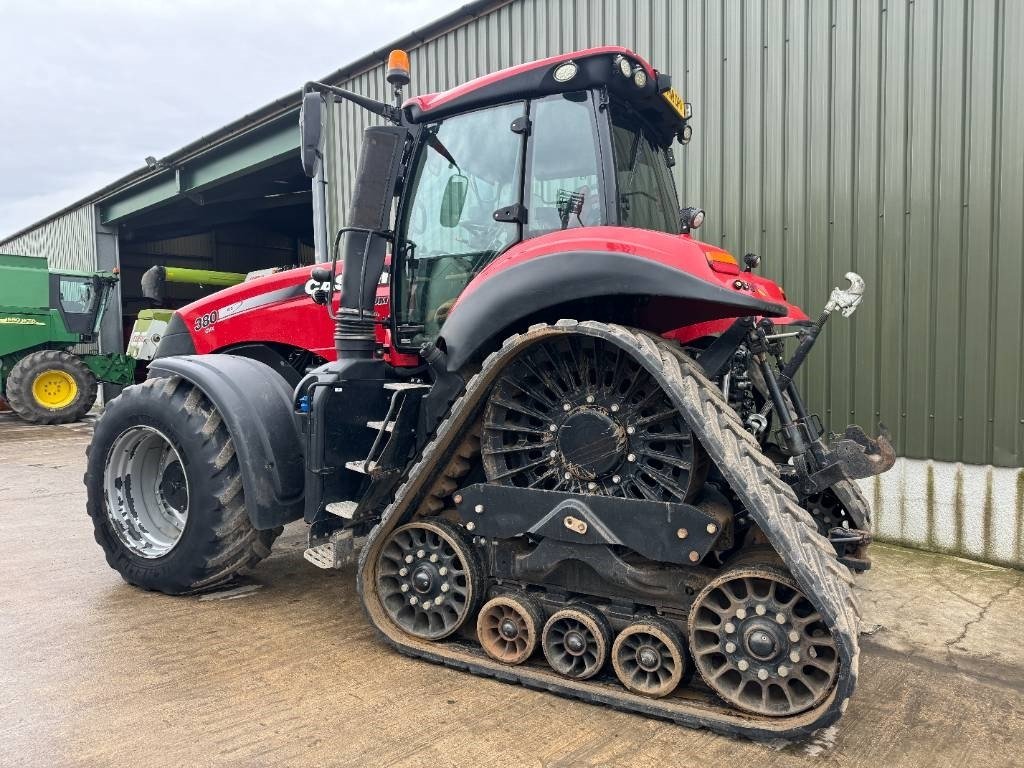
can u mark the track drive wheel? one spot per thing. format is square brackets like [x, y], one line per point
[51, 387]
[577, 414]
[648, 657]
[576, 641]
[509, 627]
[760, 644]
[429, 579]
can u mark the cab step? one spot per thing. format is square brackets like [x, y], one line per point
[339, 551]
[362, 466]
[343, 509]
[388, 426]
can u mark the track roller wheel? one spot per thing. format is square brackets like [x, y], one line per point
[760, 644]
[508, 628]
[576, 641]
[648, 657]
[428, 578]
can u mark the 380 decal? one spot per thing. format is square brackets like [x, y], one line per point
[205, 321]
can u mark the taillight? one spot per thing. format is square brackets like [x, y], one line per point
[723, 262]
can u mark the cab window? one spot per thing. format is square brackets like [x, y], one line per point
[646, 190]
[77, 294]
[563, 190]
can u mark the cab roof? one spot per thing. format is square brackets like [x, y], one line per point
[595, 67]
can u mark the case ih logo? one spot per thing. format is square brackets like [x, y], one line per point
[312, 286]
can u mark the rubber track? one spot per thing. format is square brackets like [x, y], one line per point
[753, 477]
[853, 501]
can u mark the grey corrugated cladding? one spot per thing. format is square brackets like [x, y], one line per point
[883, 137]
[68, 242]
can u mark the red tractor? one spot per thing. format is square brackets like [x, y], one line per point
[558, 436]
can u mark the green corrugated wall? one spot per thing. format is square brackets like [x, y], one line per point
[885, 137]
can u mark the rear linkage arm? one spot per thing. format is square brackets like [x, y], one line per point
[851, 456]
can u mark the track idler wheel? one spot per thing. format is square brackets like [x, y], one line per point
[648, 657]
[760, 644]
[509, 628]
[428, 578]
[576, 641]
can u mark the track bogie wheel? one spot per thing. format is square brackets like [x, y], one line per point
[576, 641]
[429, 579]
[649, 658]
[760, 644]
[508, 628]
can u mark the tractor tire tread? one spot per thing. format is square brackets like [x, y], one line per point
[229, 544]
[19, 387]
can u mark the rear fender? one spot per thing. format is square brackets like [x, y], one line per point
[255, 403]
[628, 288]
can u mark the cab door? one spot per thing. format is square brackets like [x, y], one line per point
[77, 298]
[462, 209]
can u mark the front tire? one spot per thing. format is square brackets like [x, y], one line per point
[165, 491]
[51, 387]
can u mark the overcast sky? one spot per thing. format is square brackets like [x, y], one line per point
[90, 88]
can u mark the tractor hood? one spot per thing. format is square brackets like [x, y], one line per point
[286, 315]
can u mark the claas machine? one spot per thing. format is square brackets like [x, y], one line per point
[560, 440]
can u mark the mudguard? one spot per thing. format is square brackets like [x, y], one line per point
[668, 296]
[255, 403]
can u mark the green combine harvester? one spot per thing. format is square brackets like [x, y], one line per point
[49, 324]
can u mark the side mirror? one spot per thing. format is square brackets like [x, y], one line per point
[311, 132]
[454, 200]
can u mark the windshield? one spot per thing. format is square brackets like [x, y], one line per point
[646, 192]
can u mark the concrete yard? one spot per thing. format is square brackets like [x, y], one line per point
[286, 670]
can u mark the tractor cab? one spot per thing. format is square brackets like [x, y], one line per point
[575, 141]
[485, 180]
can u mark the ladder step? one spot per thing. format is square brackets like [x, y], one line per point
[341, 550]
[361, 466]
[379, 425]
[321, 556]
[401, 386]
[343, 509]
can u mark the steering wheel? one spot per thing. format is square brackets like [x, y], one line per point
[441, 313]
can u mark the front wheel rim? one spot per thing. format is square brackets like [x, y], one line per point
[146, 491]
[54, 389]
